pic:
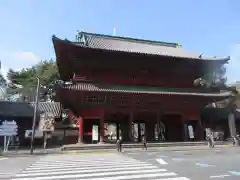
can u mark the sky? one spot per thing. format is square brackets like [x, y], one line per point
[210, 27]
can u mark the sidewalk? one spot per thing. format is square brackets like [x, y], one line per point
[38, 152]
[26, 152]
[181, 148]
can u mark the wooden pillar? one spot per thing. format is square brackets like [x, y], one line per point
[101, 128]
[232, 124]
[130, 124]
[200, 131]
[158, 126]
[118, 130]
[80, 130]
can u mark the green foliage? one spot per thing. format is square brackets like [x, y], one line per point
[25, 80]
[3, 81]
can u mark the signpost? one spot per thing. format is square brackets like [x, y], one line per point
[46, 125]
[8, 129]
[94, 133]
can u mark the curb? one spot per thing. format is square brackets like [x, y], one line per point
[90, 152]
[107, 151]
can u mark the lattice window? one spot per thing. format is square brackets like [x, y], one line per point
[124, 100]
[94, 100]
[113, 100]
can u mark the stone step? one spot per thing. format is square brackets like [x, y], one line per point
[74, 147]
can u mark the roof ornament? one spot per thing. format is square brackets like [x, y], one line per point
[114, 30]
[78, 36]
[201, 55]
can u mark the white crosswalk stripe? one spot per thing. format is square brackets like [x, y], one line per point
[95, 167]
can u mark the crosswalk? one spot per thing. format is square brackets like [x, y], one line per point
[112, 166]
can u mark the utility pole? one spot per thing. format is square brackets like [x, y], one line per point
[35, 115]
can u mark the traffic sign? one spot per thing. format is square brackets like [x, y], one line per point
[8, 128]
[8, 133]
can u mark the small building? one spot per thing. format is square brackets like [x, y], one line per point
[143, 87]
[22, 113]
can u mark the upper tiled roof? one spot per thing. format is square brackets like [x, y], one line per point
[143, 90]
[124, 44]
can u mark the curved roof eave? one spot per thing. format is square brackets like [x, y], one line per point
[81, 45]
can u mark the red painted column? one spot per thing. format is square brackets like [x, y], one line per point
[80, 130]
[101, 129]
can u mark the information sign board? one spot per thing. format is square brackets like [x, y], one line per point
[95, 133]
[8, 128]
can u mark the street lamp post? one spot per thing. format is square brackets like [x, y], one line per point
[35, 115]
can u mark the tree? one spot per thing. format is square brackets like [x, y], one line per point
[25, 81]
[3, 85]
[216, 79]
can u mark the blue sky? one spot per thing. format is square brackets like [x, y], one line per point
[204, 26]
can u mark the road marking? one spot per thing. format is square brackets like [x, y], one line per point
[161, 161]
[175, 178]
[204, 165]
[116, 167]
[196, 150]
[220, 176]
[237, 173]
[163, 156]
[178, 159]
[75, 171]
[3, 158]
[147, 174]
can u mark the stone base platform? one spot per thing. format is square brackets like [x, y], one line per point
[77, 147]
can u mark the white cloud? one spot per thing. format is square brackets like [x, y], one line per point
[233, 67]
[16, 60]
[28, 56]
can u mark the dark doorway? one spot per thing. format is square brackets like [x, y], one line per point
[174, 127]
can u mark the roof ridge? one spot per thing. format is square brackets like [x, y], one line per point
[161, 43]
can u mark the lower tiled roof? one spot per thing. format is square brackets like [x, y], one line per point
[142, 90]
[15, 109]
[24, 109]
[49, 107]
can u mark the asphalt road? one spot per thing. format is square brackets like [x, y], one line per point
[203, 164]
[207, 164]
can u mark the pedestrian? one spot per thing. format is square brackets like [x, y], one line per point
[144, 142]
[211, 140]
[119, 145]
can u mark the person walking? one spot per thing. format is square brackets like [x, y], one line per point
[211, 140]
[144, 142]
[119, 145]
